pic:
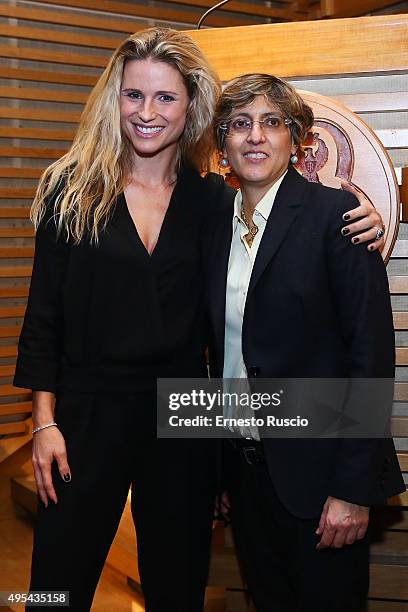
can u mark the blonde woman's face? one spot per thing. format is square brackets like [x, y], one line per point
[261, 154]
[153, 106]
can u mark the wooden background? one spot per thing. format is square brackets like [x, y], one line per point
[50, 56]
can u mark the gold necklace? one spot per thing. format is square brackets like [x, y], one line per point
[252, 229]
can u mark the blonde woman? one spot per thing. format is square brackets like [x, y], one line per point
[115, 302]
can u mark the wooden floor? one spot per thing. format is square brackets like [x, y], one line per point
[113, 593]
[16, 535]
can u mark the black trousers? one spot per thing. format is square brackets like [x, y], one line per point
[277, 551]
[111, 446]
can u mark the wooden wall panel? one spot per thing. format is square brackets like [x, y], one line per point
[139, 9]
[79, 19]
[351, 8]
[62, 37]
[36, 114]
[288, 13]
[364, 45]
[54, 56]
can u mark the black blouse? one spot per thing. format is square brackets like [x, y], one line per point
[110, 316]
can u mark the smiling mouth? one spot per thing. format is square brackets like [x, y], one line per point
[146, 130]
[255, 155]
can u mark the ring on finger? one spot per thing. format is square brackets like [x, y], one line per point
[379, 232]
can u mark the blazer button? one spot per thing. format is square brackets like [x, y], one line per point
[254, 371]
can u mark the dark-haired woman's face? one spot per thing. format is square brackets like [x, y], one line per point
[261, 154]
[153, 106]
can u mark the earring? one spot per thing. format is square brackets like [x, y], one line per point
[294, 159]
[223, 163]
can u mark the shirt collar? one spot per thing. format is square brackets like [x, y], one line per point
[264, 206]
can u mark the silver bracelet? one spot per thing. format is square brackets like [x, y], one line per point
[53, 424]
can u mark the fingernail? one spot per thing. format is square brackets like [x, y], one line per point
[345, 231]
[355, 240]
[346, 217]
[370, 248]
[67, 477]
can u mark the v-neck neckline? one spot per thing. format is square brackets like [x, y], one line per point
[164, 222]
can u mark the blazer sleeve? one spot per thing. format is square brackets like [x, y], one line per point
[40, 343]
[361, 293]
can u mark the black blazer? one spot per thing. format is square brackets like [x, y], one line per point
[316, 307]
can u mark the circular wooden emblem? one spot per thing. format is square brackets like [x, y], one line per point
[341, 147]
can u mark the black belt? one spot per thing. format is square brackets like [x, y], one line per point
[250, 450]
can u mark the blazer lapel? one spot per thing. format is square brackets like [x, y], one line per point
[283, 214]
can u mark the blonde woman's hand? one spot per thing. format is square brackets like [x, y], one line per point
[49, 446]
[363, 221]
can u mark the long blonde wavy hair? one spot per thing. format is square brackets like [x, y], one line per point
[88, 179]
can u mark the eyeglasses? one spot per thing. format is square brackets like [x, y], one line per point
[242, 125]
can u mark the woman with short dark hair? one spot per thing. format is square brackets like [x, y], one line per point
[288, 298]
